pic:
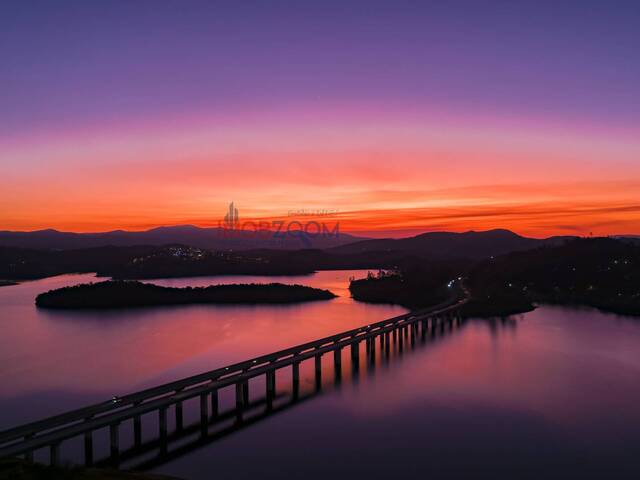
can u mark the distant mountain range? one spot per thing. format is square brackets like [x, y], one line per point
[447, 245]
[433, 245]
[207, 238]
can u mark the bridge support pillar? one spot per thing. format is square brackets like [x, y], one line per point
[372, 352]
[54, 454]
[318, 371]
[214, 403]
[114, 437]
[29, 455]
[271, 385]
[88, 448]
[162, 424]
[239, 396]
[355, 351]
[245, 393]
[242, 397]
[178, 408]
[337, 365]
[355, 355]
[137, 431]
[295, 377]
[204, 410]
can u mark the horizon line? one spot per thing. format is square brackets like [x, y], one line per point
[364, 234]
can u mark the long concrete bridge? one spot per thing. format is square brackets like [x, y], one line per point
[50, 433]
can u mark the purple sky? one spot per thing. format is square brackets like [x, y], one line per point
[67, 64]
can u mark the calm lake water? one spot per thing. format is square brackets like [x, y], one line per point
[554, 393]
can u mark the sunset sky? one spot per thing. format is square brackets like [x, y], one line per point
[402, 116]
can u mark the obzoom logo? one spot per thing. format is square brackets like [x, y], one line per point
[277, 229]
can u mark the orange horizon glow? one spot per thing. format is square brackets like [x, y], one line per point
[396, 177]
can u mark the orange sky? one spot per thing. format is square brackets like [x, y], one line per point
[403, 175]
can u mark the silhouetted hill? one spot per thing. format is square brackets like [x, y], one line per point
[140, 262]
[445, 245]
[597, 272]
[208, 238]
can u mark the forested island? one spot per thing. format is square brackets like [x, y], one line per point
[124, 294]
[6, 283]
[600, 272]
[412, 287]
